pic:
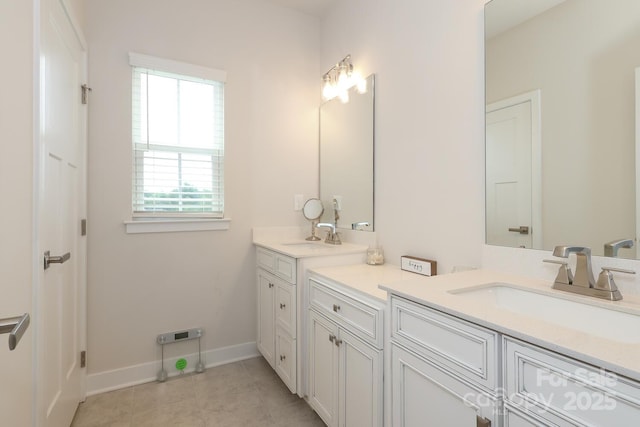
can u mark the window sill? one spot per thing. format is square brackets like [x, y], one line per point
[170, 225]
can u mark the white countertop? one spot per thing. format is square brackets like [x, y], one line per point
[365, 278]
[619, 357]
[300, 248]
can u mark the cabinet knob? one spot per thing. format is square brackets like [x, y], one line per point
[282, 357]
[337, 342]
[332, 338]
[270, 285]
[282, 306]
[336, 307]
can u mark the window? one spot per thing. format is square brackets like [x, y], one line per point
[178, 139]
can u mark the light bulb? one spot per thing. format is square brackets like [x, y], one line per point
[344, 81]
[328, 91]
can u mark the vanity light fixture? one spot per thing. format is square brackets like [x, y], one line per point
[339, 79]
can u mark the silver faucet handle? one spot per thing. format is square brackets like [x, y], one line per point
[564, 275]
[606, 283]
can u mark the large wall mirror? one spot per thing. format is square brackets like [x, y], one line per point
[346, 158]
[561, 93]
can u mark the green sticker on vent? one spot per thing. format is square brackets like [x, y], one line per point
[181, 364]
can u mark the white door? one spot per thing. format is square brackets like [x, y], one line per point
[266, 320]
[60, 289]
[511, 176]
[16, 188]
[637, 236]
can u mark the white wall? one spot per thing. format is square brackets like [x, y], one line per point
[429, 167]
[16, 185]
[142, 285]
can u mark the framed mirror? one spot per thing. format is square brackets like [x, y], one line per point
[346, 158]
[561, 123]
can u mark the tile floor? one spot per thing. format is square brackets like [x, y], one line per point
[242, 394]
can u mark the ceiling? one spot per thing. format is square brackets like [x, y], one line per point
[311, 7]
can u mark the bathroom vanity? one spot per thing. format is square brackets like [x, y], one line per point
[282, 259]
[346, 339]
[496, 349]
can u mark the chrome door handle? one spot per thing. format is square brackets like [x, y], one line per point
[15, 327]
[48, 259]
[523, 229]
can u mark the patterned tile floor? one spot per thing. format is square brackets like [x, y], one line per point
[242, 394]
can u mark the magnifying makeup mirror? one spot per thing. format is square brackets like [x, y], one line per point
[313, 210]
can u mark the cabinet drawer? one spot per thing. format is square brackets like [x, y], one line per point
[281, 265]
[359, 318]
[286, 307]
[463, 348]
[552, 386]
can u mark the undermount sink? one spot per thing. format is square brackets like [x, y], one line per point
[593, 319]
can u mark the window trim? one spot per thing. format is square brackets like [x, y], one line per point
[149, 222]
[168, 225]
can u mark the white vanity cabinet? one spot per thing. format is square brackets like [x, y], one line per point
[444, 370]
[276, 290]
[549, 389]
[345, 355]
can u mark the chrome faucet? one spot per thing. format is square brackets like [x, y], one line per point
[611, 248]
[583, 282]
[333, 237]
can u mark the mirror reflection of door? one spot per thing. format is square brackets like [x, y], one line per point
[511, 129]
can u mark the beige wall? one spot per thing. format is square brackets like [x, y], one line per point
[142, 285]
[429, 160]
[582, 56]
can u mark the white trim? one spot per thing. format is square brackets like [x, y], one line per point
[169, 65]
[534, 97]
[116, 379]
[168, 225]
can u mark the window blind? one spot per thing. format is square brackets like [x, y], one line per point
[178, 140]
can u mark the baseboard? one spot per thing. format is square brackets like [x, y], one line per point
[146, 372]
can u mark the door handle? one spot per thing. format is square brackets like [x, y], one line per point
[15, 327]
[48, 259]
[523, 229]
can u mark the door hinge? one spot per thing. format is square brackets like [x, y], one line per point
[83, 359]
[83, 227]
[85, 93]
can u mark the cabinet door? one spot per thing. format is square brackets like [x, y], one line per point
[323, 368]
[286, 358]
[286, 307]
[424, 395]
[566, 392]
[359, 382]
[266, 321]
